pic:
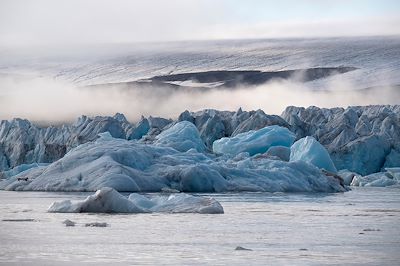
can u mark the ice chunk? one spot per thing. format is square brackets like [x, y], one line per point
[105, 136]
[381, 179]
[394, 172]
[347, 176]
[392, 160]
[177, 203]
[309, 150]
[281, 152]
[68, 222]
[21, 168]
[242, 248]
[140, 130]
[183, 136]
[258, 120]
[361, 139]
[96, 224]
[158, 122]
[255, 142]
[364, 155]
[108, 200]
[105, 200]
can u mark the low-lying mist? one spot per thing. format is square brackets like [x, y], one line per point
[52, 101]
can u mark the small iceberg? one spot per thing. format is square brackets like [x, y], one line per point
[108, 200]
[96, 224]
[68, 223]
[242, 248]
[309, 150]
[183, 136]
[381, 179]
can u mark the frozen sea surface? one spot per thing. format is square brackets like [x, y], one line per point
[360, 227]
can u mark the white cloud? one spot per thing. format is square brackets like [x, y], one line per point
[373, 26]
[57, 22]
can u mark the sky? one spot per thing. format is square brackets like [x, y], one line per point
[55, 22]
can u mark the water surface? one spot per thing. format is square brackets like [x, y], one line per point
[359, 227]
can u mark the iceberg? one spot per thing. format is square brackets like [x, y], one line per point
[105, 200]
[108, 200]
[136, 167]
[214, 124]
[255, 142]
[361, 139]
[182, 136]
[309, 150]
[205, 151]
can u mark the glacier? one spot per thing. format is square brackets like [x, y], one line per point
[108, 200]
[204, 151]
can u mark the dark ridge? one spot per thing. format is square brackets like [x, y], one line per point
[208, 76]
[253, 77]
[149, 85]
[229, 79]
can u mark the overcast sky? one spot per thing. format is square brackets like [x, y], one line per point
[47, 22]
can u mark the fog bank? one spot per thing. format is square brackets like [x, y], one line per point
[48, 100]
